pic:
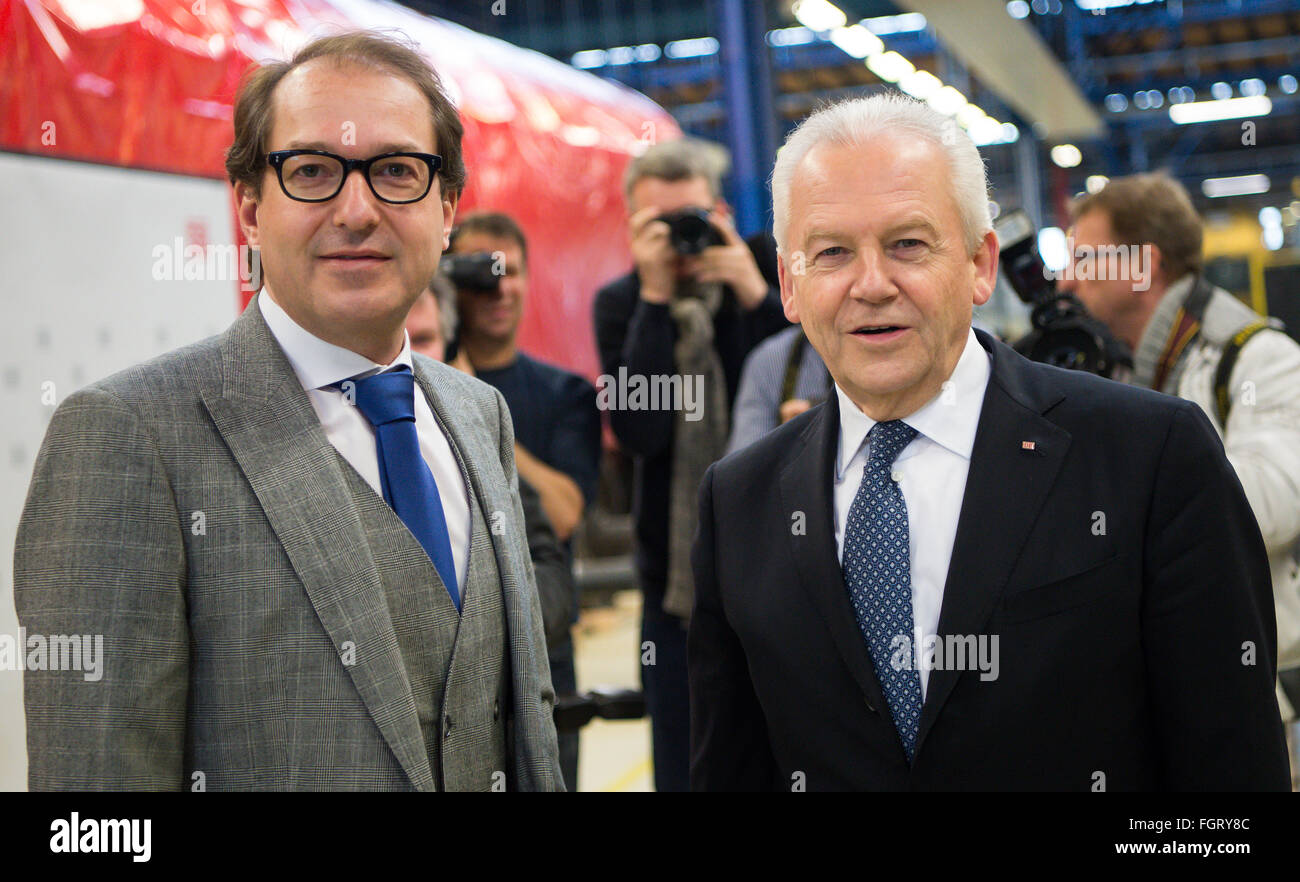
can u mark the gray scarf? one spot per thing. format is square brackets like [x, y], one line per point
[697, 443]
[1146, 357]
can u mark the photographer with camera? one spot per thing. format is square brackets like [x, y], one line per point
[1198, 342]
[689, 313]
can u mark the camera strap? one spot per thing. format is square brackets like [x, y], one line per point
[1222, 399]
[1187, 325]
[1189, 320]
[793, 365]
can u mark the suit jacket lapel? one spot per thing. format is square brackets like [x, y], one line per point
[442, 402]
[267, 420]
[1005, 479]
[806, 481]
[513, 569]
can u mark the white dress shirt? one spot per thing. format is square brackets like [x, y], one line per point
[318, 365]
[931, 471]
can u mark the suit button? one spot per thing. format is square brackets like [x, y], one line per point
[496, 709]
[446, 728]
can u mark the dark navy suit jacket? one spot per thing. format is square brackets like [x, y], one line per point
[1140, 657]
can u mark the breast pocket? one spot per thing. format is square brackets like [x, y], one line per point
[1083, 586]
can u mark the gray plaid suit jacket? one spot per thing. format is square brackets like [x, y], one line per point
[192, 511]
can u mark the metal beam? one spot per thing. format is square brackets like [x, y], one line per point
[1009, 57]
[1170, 16]
[1201, 83]
[747, 91]
[1184, 56]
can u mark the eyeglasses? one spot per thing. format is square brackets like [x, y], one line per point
[317, 176]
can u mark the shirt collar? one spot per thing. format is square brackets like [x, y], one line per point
[316, 362]
[949, 419]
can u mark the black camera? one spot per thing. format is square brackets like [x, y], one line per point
[1064, 333]
[690, 231]
[471, 272]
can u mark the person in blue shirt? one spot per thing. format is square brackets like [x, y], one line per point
[782, 378]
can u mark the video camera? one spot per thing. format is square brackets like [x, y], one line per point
[471, 272]
[1064, 333]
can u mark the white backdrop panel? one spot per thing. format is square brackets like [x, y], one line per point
[77, 258]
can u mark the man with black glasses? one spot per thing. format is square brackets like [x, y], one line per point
[299, 542]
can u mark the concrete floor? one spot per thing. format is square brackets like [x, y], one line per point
[614, 754]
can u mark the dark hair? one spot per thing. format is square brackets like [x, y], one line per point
[491, 223]
[1151, 208]
[254, 105]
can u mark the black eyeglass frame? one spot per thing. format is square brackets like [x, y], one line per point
[277, 158]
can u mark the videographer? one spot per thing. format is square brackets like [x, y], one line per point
[557, 426]
[1198, 342]
[693, 307]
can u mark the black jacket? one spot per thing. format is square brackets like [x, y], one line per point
[1139, 658]
[556, 587]
[640, 336]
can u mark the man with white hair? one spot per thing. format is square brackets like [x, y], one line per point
[964, 570]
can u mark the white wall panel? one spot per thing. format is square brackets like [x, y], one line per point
[78, 249]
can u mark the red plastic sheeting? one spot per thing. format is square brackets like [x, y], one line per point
[150, 84]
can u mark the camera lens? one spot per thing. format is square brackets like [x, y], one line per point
[691, 234]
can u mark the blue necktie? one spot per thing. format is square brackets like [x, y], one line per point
[878, 573]
[388, 401]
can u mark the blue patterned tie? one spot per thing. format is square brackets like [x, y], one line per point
[878, 572]
[388, 401]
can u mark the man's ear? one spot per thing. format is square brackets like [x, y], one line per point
[1154, 269]
[790, 308]
[246, 205]
[449, 203]
[986, 268]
